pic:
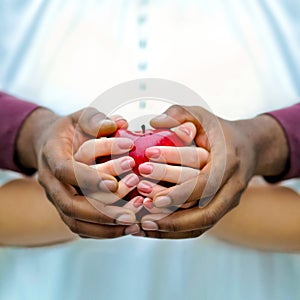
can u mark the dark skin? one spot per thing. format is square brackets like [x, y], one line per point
[46, 142]
[248, 147]
[53, 143]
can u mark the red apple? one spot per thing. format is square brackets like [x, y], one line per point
[142, 140]
[145, 139]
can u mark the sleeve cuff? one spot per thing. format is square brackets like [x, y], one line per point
[289, 119]
[13, 113]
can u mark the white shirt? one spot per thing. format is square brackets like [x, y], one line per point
[240, 56]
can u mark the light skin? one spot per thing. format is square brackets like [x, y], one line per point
[188, 161]
[47, 143]
[42, 215]
[267, 218]
[241, 146]
[37, 222]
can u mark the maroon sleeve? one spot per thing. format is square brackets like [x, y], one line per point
[289, 119]
[13, 112]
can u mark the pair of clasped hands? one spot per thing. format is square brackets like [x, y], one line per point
[64, 154]
[178, 166]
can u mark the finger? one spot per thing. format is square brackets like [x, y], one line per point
[186, 132]
[194, 157]
[204, 186]
[69, 171]
[197, 218]
[116, 166]
[94, 148]
[149, 189]
[135, 204]
[126, 185]
[177, 115]
[120, 121]
[173, 235]
[148, 205]
[124, 215]
[93, 122]
[170, 223]
[148, 202]
[163, 172]
[91, 230]
[70, 203]
[172, 117]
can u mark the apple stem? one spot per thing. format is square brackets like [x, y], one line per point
[143, 128]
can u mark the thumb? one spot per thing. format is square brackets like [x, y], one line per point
[93, 122]
[172, 117]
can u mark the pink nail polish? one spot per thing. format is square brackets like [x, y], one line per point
[153, 153]
[145, 187]
[131, 180]
[148, 203]
[185, 129]
[138, 201]
[125, 144]
[146, 169]
[127, 164]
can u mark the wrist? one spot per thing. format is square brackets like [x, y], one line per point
[269, 145]
[31, 135]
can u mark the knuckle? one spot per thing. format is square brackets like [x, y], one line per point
[233, 161]
[210, 218]
[66, 208]
[58, 170]
[240, 185]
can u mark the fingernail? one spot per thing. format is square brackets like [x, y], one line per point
[127, 164]
[145, 187]
[117, 118]
[148, 203]
[149, 225]
[131, 180]
[138, 201]
[108, 185]
[153, 153]
[185, 130]
[125, 219]
[121, 123]
[161, 117]
[125, 144]
[162, 201]
[145, 169]
[105, 122]
[133, 229]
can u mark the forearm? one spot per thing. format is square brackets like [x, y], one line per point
[269, 144]
[27, 218]
[267, 218]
